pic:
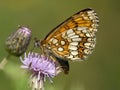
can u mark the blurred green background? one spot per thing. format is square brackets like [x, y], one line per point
[102, 69]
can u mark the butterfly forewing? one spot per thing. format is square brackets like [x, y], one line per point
[74, 39]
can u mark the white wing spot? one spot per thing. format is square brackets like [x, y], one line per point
[74, 43]
[71, 56]
[89, 40]
[69, 31]
[87, 45]
[62, 42]
[75, 36]
[84, 31]
[71, 34]
[88, 35]
[87, 51]
[60, 49]
[71, 47]
[54, 41]
[77, 39]
[74, 52]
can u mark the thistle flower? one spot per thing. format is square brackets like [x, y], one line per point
[40, 68]
[18, 41]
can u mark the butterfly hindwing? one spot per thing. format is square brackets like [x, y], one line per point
[75, 38]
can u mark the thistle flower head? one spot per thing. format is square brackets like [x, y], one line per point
[18, 41]
[40, 67]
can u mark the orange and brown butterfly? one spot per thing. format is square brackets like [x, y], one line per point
[74, 39]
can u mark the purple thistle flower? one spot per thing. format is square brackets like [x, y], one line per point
[40, 67]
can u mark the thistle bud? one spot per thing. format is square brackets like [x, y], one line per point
[18, 41]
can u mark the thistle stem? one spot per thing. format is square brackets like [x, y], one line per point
[3, 63]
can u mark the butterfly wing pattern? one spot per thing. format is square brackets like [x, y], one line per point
[75, 38]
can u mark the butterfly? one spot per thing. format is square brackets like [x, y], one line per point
[74, 39]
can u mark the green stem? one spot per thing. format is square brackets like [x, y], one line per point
[3, 62]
